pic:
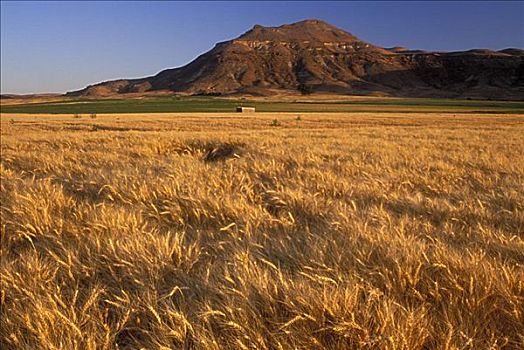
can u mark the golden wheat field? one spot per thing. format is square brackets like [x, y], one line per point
[262, 231]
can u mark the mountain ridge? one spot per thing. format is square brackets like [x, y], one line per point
[324, 58]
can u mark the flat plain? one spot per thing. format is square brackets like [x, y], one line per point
[262, 231]
[278, 103]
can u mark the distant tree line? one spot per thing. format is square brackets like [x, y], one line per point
[305, 89]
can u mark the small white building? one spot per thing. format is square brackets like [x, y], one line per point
[245, 109]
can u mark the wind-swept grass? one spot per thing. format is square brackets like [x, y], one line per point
[222, 232]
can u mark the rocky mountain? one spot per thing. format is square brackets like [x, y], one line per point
[314, 56]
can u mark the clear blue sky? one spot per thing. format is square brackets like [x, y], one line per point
[62, 46]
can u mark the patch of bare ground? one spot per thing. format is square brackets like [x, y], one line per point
[224, 231]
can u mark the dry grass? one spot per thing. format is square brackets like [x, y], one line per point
[223, 232]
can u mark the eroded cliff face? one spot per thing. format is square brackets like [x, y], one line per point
[325, 58]
[305, 44]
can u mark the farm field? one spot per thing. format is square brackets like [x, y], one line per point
[181, 104]
[307, 230]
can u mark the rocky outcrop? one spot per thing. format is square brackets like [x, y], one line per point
[324, 58]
